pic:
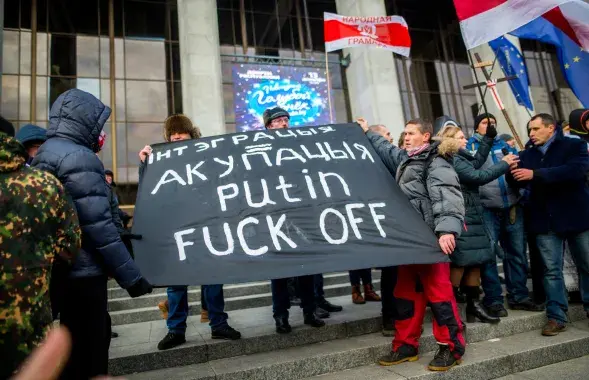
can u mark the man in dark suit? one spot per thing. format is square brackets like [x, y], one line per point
[554, 169]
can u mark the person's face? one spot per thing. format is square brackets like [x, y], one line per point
[32, 149]
[381, 130]
[109, 179]
[511, 143]
[461, 138]
[414, 138]
[180, 137]
[482, 129]
[279, 123]
[539, 133]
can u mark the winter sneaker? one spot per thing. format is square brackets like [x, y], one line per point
[553, 328]
[171, 340]
[403, 354]
[282, 325]
[312, 320]
[444, 359]
[497, 310]
[164, 308]
[225, 332]
[204, 316]
[370, 295]
[388, 327]
[328, 306]
[526, 305]
[320, 313]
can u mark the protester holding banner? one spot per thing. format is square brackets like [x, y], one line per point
[475, 245]
[278, 118]
[179, 128]
[432, 186]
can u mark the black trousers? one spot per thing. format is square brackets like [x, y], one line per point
[388, 281]
[84, 313]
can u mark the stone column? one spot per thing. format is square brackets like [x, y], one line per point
[518, 114]
[373, 85]
[202, 88]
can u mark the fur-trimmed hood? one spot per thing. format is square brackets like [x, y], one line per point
[447, 147]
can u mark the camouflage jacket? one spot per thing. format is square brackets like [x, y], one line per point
[37, 222]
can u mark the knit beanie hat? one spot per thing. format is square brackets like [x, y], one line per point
[274, 113]
[481, 117]
[180, 124]
[31, 133]
[578, 120]
[6, 127]
[506, 137]
[444, 121]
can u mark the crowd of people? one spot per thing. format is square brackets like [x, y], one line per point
[63, 235]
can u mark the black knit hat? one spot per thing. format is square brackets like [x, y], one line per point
[274, 113]
[6, 127]
[578, 120]
[481, 117]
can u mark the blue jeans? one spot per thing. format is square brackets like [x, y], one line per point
[360, 274]
[551, 247]
[281, 300]
[213, 296]
[512, 238]
[318, 286]
[178, 309]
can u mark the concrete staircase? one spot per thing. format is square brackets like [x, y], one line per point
[346, 348]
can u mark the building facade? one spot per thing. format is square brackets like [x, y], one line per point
[148, 59]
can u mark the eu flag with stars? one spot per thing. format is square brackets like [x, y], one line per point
[512, 63]
[574, 61]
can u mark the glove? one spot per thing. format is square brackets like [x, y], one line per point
[140, 288]
[491, 131]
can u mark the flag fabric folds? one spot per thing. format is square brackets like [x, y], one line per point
[387, 32]
[482, 21]
[552, 28]
[512, 63]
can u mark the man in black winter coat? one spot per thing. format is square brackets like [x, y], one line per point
[75, 122]
[555, 170]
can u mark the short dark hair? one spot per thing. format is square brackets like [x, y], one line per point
[424, 126]
[546, 118]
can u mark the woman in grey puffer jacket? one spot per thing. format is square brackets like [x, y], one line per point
[475, 245]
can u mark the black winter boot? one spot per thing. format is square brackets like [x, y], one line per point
[474, 310]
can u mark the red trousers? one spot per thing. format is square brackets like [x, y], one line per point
[411, 302]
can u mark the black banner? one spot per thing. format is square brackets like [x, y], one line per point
[261, 205]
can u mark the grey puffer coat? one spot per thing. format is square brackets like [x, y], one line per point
[475, 246]
[434, 191]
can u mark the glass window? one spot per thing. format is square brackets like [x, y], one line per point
[145, 59]
[10, 96]
[10, 50]
[145, 19]
[146, 101]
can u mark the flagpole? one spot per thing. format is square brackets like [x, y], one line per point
[509, 122]
[328, 89]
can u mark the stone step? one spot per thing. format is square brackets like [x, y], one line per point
[136, 348]
[512, 346]
[574, 369]
[135, 310]
[235, 290]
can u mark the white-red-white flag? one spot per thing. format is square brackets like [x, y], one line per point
[387, 32]
[482, 21]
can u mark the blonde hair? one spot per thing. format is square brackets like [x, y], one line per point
[449, 132]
